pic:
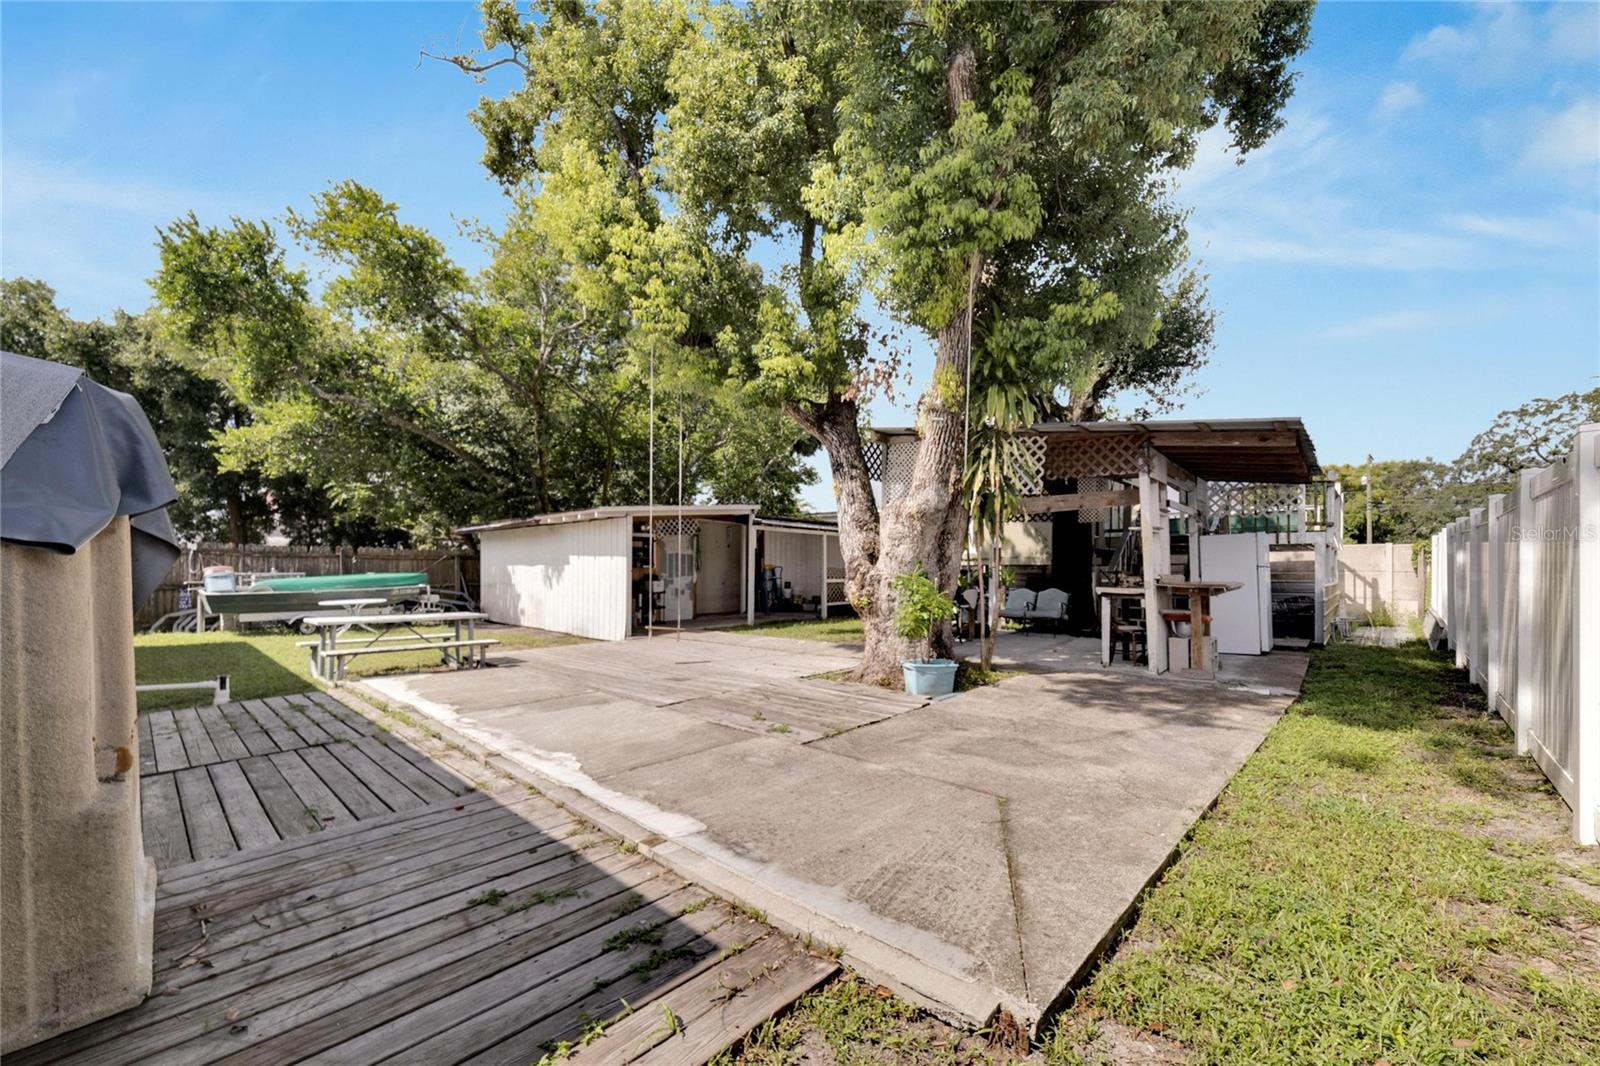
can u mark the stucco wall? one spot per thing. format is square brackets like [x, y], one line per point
[1379, 575]
[76, 890]
[570, 578]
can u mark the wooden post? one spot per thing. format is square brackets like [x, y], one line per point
[750, 571]
[824, 539]
[1153, 540]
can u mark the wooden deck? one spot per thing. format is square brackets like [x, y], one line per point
[215, 780]
[335, 892]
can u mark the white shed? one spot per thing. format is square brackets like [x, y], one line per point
[610, 572]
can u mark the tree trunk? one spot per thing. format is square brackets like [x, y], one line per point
[926, 525]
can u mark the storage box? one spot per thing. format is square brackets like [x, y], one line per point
[1178, 654]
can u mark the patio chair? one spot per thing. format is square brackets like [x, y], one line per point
[1018, 603]
[1049, 608]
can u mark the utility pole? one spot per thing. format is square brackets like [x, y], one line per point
[1366, 482]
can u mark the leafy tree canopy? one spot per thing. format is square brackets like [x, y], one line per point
[425, 397]
[742, 182]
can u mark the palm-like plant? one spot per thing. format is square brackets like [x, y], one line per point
[992, 487]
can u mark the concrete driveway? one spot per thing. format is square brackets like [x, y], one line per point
[976, 853]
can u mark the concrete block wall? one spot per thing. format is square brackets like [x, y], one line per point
[77, 893]
[1379, 575]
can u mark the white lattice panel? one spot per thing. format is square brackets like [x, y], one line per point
[1095, 484]
[1029, 470]
[899, 461]
[677, 527]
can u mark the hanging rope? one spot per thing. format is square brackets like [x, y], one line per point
[683, 537]
[650, 544]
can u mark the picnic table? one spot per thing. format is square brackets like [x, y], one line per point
[330, 652]
[356, 606]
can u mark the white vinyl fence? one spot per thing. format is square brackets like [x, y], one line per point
[1516, 586]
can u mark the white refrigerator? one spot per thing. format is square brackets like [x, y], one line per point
[1241, 620]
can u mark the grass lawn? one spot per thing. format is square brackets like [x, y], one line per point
[1383, 882]
[846, 630]
[269, 664]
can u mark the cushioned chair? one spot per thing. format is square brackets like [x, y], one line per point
[1049, 609]
[1018, 603]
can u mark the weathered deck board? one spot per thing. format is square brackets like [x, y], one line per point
[287, 812]
[223, 736]
[196, 742]
[165, 839]
[358, 799]
[209, 834]
[321, 802]
[427, 789]
[276, 729]
[166, 742]
[415, 926]
[335, 728]
[383, 785]
[147, 750]
[249, 732]
[292, 716]
[251, 826]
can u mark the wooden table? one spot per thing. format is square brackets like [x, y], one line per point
[462, 648]
[1199, 593]
[1108, 595]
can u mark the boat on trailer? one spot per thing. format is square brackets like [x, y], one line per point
[289, 599]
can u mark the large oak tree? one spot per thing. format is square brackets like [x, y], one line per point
[743, 183]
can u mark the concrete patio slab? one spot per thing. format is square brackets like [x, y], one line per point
[976, 853]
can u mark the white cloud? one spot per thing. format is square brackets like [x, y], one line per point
[1369, 327]
[1560, 229]
[35, 183]
[1565, 141]
[1398, 97]
[1504, 41]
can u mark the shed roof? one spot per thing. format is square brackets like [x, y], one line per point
[661, 511]
[1233, 449]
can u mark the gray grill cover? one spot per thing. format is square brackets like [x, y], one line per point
[73, 456]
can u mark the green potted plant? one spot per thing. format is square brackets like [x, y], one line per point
[918, 608]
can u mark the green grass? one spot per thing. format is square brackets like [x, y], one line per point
[845, 630]
[269, 663]
[1382, 881]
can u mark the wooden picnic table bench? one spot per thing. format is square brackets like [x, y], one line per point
[332, 649]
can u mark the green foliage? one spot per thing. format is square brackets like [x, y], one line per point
[189, 406]
[664, 140]
[1413, 498]
[1537, 433]
[425, 397]
[919, 605]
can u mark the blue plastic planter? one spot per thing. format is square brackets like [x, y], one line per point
[930, 677]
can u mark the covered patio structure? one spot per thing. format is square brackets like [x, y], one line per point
[1136, 519]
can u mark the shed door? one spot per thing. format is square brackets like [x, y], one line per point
[677, 569]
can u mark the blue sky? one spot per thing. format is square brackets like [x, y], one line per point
[1416, 251]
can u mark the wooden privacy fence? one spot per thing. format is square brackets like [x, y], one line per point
[447, 568]
[1516, 585]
